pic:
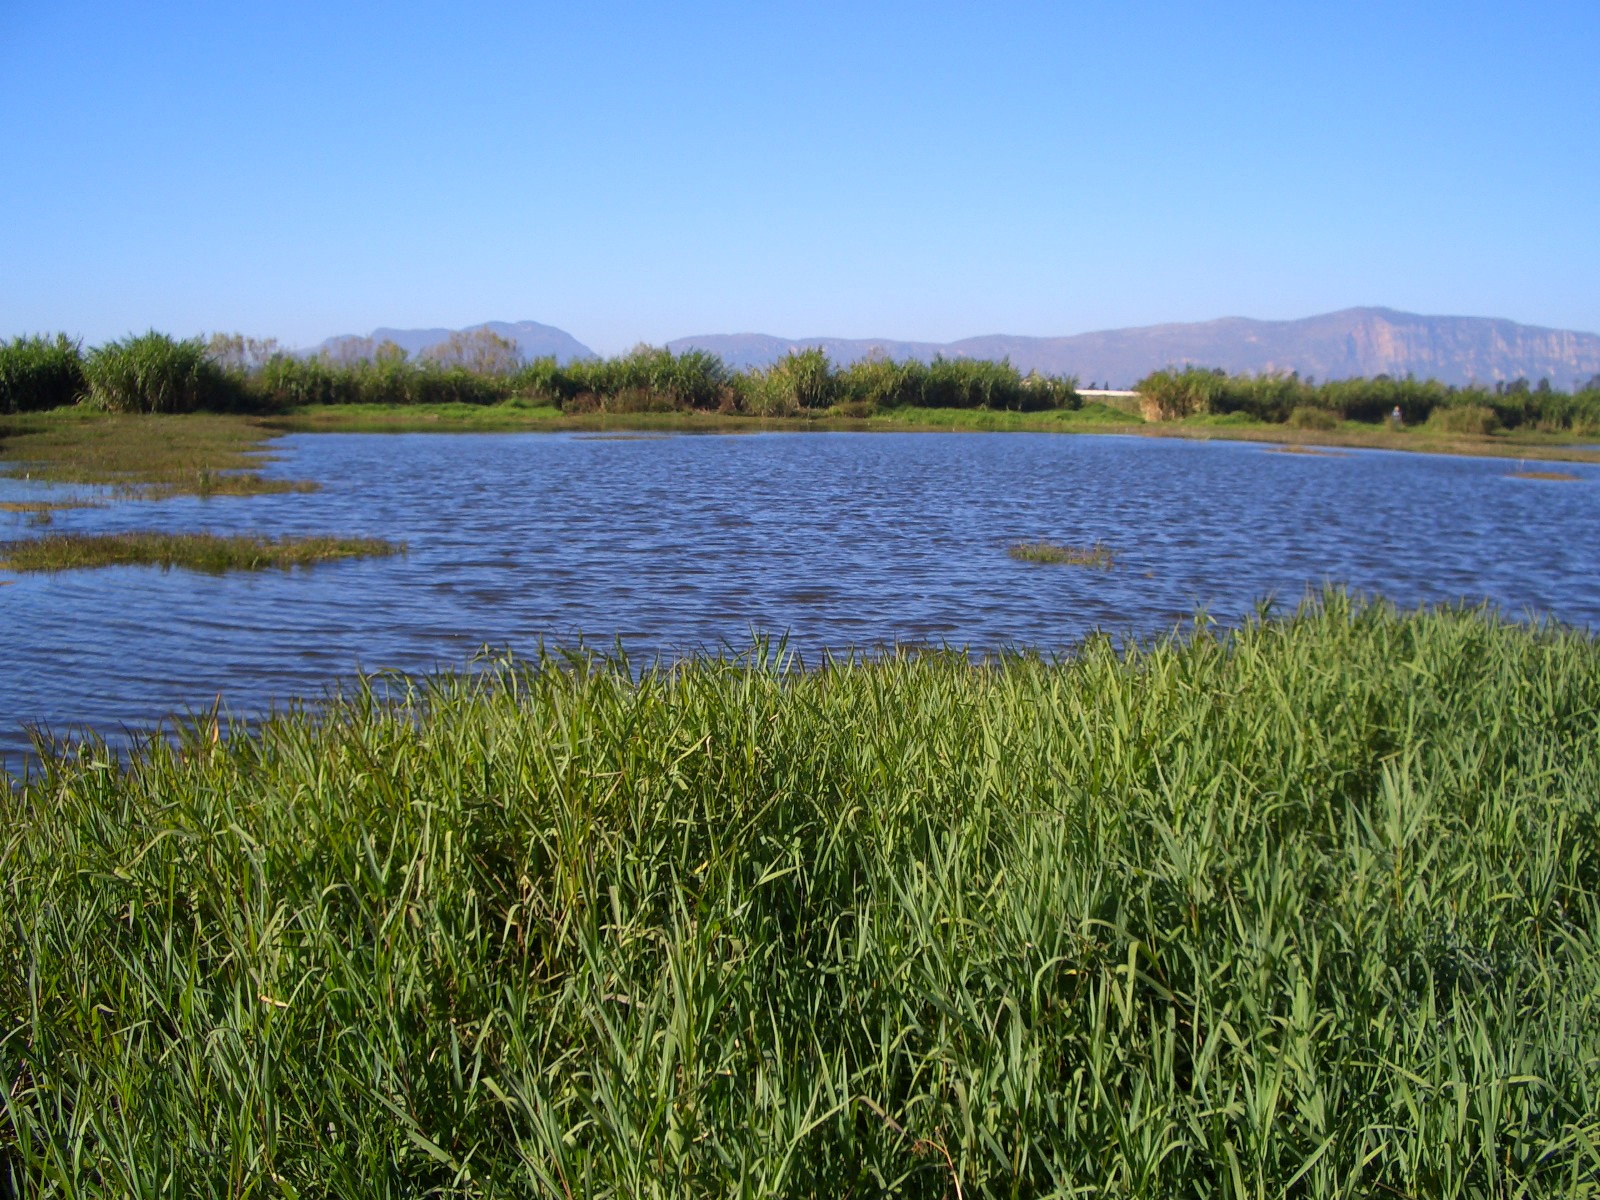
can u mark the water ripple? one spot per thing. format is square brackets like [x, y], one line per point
[671, 544]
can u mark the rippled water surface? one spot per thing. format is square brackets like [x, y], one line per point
[680, 543]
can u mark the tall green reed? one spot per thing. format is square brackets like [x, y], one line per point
[1308, 908]
[154, 373]
[39, 373]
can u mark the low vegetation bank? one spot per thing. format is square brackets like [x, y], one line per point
[1309, 908]
[204, 454]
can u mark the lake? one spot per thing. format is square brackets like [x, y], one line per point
[678, 544]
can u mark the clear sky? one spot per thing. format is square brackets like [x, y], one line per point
[637, 172]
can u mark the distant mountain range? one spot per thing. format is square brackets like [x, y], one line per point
[1352, 342]
[533, 339]
[1355, 341]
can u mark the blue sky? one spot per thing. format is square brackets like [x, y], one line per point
[636, 172]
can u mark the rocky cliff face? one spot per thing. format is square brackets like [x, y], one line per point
[1356, 341]
[1461, 348]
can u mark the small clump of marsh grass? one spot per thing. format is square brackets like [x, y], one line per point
[1556, 476]
[1095, 554]
[209, 552]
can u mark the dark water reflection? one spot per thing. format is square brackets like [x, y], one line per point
[681, 543]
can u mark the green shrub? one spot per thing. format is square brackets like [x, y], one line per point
[972, 383]
[154, 373]
[1306, 417]
[802, 380]
[1050, 391]
[883, 382]
[1464, 418]
[1172, 394]
[286, 382]
[954, 383]
[293, 382]
[38, 373]
[545, 380]
[449, 385]
[695, 379]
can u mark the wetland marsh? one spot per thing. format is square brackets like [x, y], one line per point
[791, 900]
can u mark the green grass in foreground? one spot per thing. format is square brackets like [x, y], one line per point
[197, 551]
[1096, 554]
[148, 456]
[1306, 909]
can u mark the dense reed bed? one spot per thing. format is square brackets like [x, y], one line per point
[1305, 909]
[210, 552]
[38, 373]
[155, 373]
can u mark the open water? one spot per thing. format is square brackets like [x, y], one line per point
[678, 544]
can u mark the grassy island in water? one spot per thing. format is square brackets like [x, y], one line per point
[1310, 908]
[209, 552]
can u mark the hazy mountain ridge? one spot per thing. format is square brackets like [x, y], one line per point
[533, 339]
[1352, 342]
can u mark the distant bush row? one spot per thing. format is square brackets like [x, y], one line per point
[1174, 393]
[156, 373]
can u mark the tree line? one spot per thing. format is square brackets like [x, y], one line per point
[154, 372]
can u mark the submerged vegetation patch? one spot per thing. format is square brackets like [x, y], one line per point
[40, 513]
[43, 506]
[1095, 554]
[1308, 908]
[208, 552]
[1308, 451]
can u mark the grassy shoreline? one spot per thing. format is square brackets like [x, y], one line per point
[1309, 908]
[1527, 444]
[220, 454]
